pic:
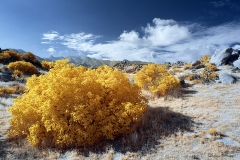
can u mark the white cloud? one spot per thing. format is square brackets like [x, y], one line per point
[50, 36]
[164, 40]
[51, 50]
[79, 41]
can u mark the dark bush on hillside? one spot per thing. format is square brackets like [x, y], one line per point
[10, 56]
[29, 57]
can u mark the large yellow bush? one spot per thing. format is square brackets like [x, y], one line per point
[156, 79]
[24, 67]
[75, 106]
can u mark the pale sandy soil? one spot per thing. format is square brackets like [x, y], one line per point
[176, 128]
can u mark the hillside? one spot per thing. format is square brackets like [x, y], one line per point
[199, 121]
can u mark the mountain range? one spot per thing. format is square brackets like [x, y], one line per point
[79, 60]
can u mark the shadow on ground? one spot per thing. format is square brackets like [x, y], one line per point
[157, 123]
[3, 151]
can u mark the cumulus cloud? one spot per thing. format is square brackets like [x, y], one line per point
[163, 40]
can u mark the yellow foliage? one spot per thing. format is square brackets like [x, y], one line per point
[47, 65]
[156, 79]
[205, 59]
[29, 57]
[24, 67]
[211, 66]
[187, 66]
[6, 90]
[17, 73]
[10, 56]
[75, 106]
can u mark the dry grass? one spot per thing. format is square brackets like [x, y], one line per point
[18, 88]
[187, 66]
[5, 91]
[177, 70]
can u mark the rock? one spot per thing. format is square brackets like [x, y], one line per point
[237, 63]
[220, 57]
[233, 57]
[226, 78]
[5, 70]
[196, 62]
[5, 77]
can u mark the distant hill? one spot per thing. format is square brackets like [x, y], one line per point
[79, 60]
[90, 62]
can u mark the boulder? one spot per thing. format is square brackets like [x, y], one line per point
[195, 63]
[220, 58]
[5, 77]
[226, 78]
[237, 63]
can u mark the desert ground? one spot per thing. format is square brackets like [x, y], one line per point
[201, 123]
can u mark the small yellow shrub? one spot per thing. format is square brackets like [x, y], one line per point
[29, 57]
[191, 77]
[6, 90]
[24, 67]
[17, 73]
[75, 106]
[156, 79]
[187, 66]
[207, 75]
[212, 131]
[205, 59]
[10, 56]
[211, 67]
[47, 65]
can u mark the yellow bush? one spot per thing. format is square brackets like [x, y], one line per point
[10, 55]
[17, 73]
[187, 66]
[29, 57]
[211, 66]
[205, 59]
[6, 90]
[24, 67]
[47, 65]
[75, 106]
[156, 79]
[208, 75]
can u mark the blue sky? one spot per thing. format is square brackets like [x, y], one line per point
[146, 30]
